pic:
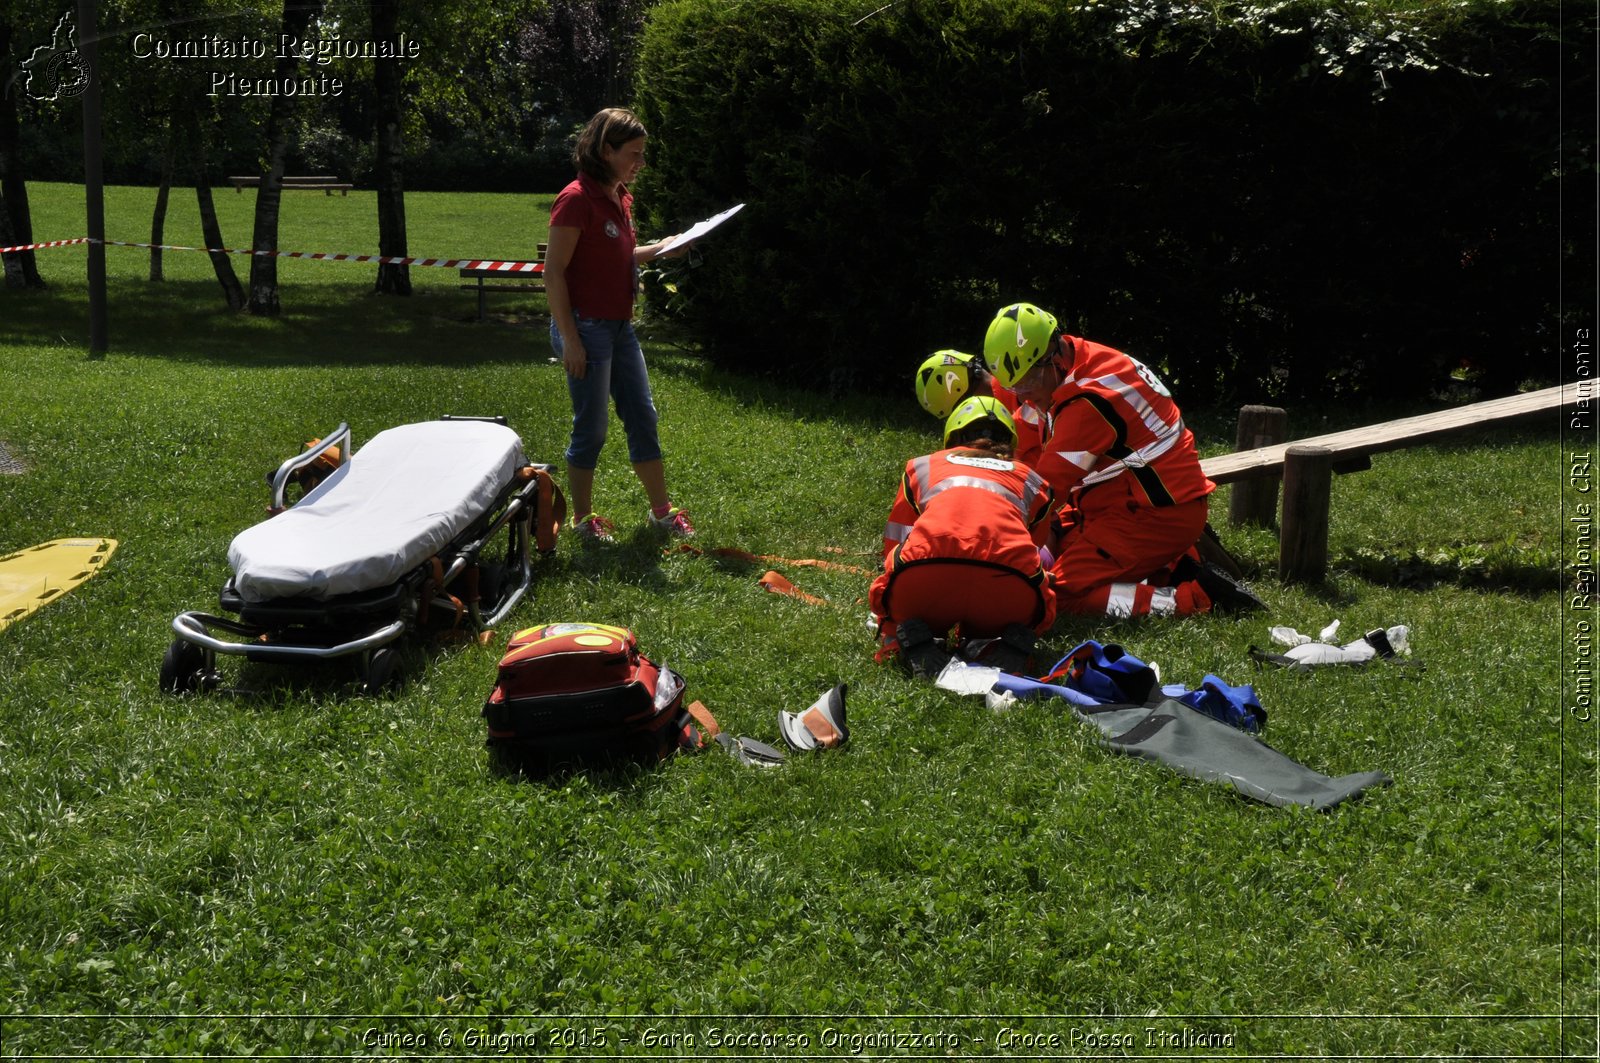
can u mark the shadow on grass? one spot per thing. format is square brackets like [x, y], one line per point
[186, 321]
[1526, 573]
[267, 686]
[602, 768]
[341, 323]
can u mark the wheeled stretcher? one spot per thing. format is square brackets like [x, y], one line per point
[431, 521]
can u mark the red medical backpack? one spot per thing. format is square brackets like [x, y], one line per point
[575, 691]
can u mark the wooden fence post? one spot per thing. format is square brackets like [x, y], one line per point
[1255, 500]
[1303, 536]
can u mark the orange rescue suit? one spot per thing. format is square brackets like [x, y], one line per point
[1029, 422]
[1112, 417]
[968, 525]
[1119, 452]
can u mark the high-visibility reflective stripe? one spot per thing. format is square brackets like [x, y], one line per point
[1121, 601]
[1140, 461]
[1135, 398]
[1031, 489]
[1164, 602]
[1083, 459]
[1139, 458]
[895, 532]
[980, 484]
[1125, 457]
[917, 474]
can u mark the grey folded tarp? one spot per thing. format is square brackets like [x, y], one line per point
[1195, 745]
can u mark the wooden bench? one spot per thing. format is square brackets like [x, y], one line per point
[328, 184]
[1306, 466]
[485, 281]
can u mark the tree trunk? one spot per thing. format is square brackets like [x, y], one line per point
[10, 265]
[13, 189]
[232, 290]
[158, 220]
[297, 17]
[211, 232]
[388, 166]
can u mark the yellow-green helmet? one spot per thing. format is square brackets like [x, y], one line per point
[979, 416]
[1019, 338]
[943, 380]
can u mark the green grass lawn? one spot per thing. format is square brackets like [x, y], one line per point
[236, 861]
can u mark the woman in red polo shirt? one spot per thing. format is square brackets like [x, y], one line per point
[590, 277]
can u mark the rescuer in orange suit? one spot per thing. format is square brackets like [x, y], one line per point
[961, 548]
[1119, 455]
[947, 377]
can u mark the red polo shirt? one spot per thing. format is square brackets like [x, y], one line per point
[600, 276]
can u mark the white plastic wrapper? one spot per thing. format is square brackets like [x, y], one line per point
[964, 678]
[1303, 650]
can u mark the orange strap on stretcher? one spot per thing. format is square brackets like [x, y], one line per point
[550, 512]
[435, 584]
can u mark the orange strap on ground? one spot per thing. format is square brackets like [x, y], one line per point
[778, 584]
[801, 562]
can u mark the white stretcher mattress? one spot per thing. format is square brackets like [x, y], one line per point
[400, 499]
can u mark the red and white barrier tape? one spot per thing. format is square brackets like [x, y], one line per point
[52, 243]
[386, 260]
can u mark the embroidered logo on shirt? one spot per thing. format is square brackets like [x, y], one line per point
[611, 229]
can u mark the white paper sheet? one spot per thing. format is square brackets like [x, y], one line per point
[699, 229]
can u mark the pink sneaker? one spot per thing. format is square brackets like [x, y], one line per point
[675, 523]
[594, 528]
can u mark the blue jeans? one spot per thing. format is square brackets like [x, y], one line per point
[616, 369]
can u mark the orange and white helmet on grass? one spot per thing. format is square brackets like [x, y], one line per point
[943, 380]
[1019, 338]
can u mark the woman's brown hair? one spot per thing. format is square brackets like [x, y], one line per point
[613, 126]
[987, 448]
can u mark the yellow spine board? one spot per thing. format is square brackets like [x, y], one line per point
[37, 576]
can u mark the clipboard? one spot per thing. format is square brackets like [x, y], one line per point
[699, 229]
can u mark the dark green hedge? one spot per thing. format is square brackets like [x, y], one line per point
[1263, 200]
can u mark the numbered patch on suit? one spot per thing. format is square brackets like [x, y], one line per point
[1150, 378]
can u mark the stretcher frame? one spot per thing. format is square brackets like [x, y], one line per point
[292, 630]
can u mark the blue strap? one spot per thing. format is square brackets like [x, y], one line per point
[1108, 674]
[1093, 675]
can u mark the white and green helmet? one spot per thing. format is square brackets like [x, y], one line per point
[944, 380]
[1019, 338]
[984, 412]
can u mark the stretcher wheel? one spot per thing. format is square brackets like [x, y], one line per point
[181, 667]
[382, 665]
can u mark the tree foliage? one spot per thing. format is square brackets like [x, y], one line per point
[1261, 198]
